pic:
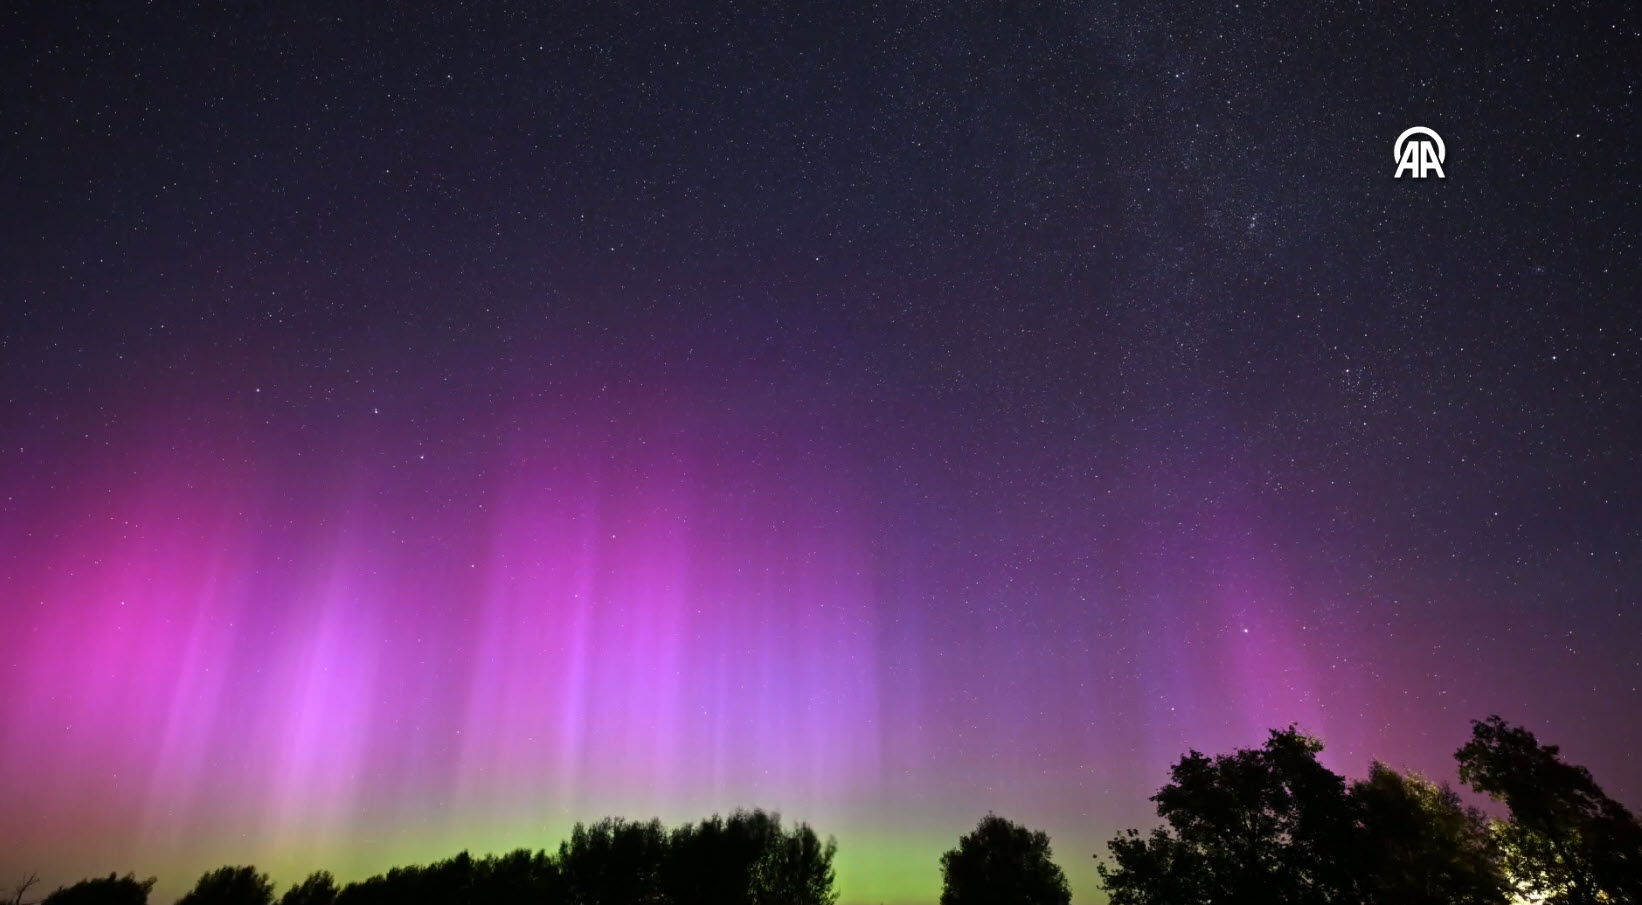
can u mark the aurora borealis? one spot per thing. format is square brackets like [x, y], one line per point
[424, 430]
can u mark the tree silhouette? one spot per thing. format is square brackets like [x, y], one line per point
[15, 897]
[1421, 846]
[520, 877]
[318, 889]
[747, 860]
[1265, 825]
[614, 860]
[795, 869]
[711, 863]
[516, 878]
[231, 886]
[1002, 863]
[109, 890]
[1567, 842]
[447, 881]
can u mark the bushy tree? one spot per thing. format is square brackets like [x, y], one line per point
[1421, 846]
[712, 862]
[1002, 863]
[516, 878]
[614, 860]
[231, 886]
[795, 869]
[109, 890]
[748, 859]
[1567, 842]
[521, 877]
[1262, 826]
[318, 889]
[745, 860]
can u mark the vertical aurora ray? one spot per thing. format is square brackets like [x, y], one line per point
[294, 673]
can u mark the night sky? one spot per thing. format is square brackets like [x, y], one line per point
[422, 428]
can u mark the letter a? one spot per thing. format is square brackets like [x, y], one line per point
[1428, 160]
[1410, 161]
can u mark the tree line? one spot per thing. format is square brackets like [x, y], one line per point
[745, 859]
[1259, 826]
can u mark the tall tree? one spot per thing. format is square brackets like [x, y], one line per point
[712, 862]
[748, 859]
[231, 886]
[1261, 826]
[1567, 842]
[614, 860]
[1002, 863]
[1422, 846]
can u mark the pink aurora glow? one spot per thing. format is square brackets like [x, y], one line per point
[220, 649]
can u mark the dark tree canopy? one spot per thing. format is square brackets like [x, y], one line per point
[1273, 825]
[109, 890]
[614, 860]
[1421, 846]
[520, 877]
[712, 862]
[795, 869]
[1567, 841]
[318, 889]
[747, 859]
[231, 886]
[515, 878]
[1002, 863]
[1263, 826]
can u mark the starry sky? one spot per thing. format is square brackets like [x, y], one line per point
[422, 427]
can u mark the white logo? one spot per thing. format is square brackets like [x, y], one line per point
[1418, 157]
